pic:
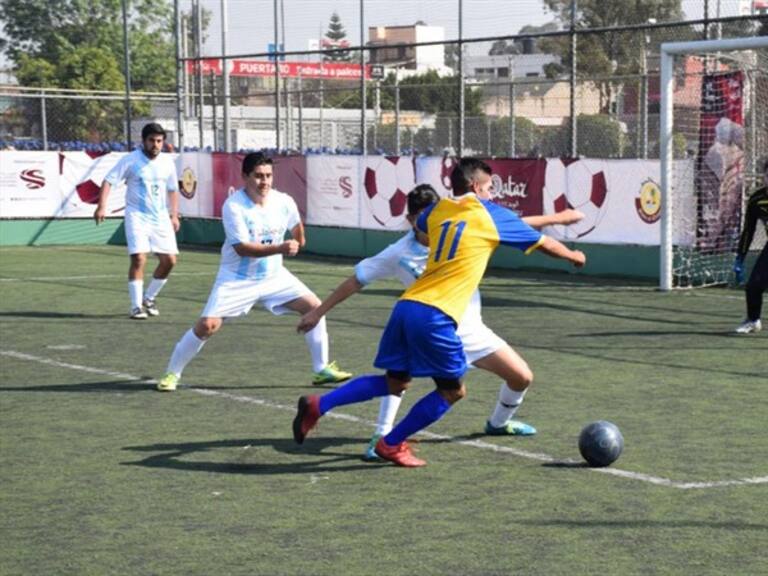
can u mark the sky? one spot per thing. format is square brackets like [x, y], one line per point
[251, 22]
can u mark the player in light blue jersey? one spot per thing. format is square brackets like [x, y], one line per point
[151, 215]
[406, 260]
[256, 219]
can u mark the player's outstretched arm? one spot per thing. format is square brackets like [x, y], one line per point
[556, 249]
[569, 216]
[343, 291]
[101, 208]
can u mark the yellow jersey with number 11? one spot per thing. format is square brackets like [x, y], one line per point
[463, 234]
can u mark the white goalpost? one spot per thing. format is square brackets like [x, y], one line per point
[713, 135]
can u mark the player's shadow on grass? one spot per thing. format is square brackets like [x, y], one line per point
[54, 315]
[254, 456]
[109, 386]
[600, 523]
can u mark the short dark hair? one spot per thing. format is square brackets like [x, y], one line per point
[254, 159]
[152, 129]
[421, 197]
[465, 173]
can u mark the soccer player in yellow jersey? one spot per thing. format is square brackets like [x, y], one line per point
[420, 338]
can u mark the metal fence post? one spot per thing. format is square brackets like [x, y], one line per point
[225, 78]
[199, 50]
[180, 77]
[127, 63]
[574, 135]
[43, 120]
[277, 81]
[512, 121]
[460, 150]
[301, 114]
[397, 111]
[363, 102]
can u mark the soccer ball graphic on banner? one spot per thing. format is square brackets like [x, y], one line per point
[387, 182]
[579, 184]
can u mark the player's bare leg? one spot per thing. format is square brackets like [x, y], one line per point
[136, 285]
[165, 264]
[517, 376]
[325, 372]
[186, 349]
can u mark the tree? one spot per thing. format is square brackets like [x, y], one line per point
[523, 45]
[75, 44]
[336, 37]
[428, 92]
[611, 53]
[451, 57]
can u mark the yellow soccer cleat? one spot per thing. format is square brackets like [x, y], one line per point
[331, 374]
[168, 382]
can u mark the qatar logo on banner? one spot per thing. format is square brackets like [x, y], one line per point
[33, 178]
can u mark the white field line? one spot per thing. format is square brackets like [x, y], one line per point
[90, 277]
[340, 416]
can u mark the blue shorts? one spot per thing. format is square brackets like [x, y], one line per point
[421, 340]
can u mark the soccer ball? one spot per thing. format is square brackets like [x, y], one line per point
[579, 184]
[601, 443]
[387, 182]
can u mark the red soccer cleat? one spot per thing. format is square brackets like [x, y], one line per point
[399, 454]
[307, 415]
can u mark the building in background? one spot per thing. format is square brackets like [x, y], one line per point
[394, 51]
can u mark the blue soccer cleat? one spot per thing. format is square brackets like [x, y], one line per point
[510, 428]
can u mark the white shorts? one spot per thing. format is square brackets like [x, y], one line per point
[231, 298]
[479, 341]
[144, 236]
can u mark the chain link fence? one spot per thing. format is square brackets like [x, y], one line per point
[521, 98]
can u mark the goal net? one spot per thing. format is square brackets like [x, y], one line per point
[714, 136]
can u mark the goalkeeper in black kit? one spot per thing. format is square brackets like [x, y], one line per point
[757, 209]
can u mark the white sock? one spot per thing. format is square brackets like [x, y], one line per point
[154, 288]
[317, 341]
[387, 412]
[135, 290]
[507, 404]
[186, 349]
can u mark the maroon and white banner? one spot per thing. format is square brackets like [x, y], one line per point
[386, 183]
[67, 184]
[720, 163]
[266, 69]
[29, 184]
[290, 176]
[333, 191]
[620, 199]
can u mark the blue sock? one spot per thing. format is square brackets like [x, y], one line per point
[429, 409]
[358, 389]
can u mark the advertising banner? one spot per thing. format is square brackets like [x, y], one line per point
[720, 162]
[82, 174]
[195, 184]
[621, 200]
[333, 191]
[290, 176]
[29, 184]
[518, 184]
[266, 69]
[386, 183]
